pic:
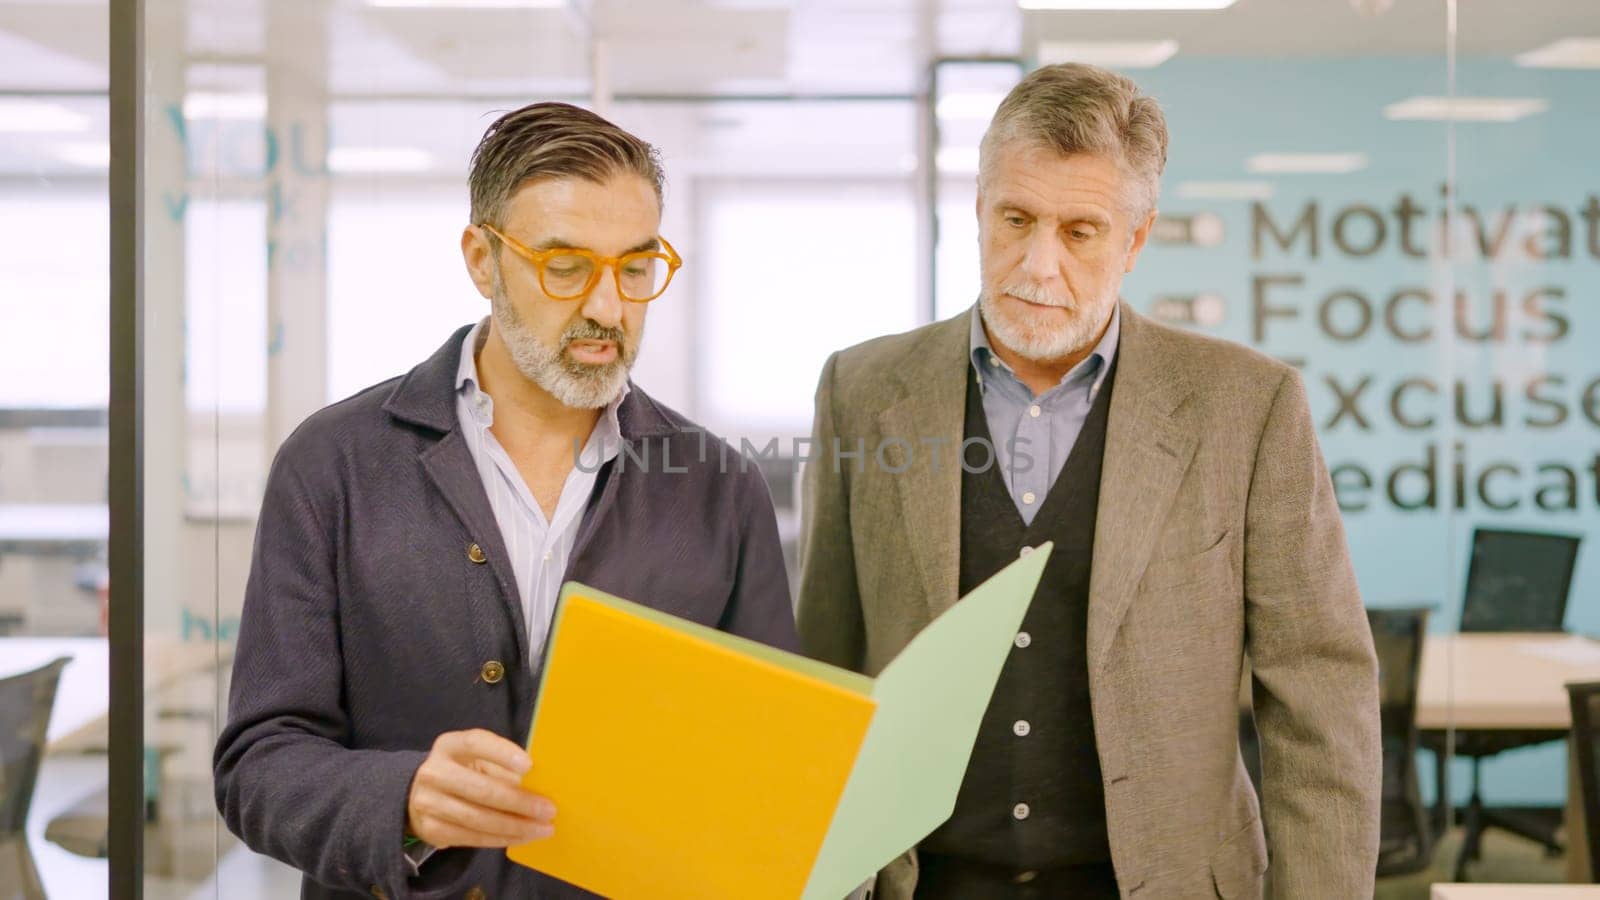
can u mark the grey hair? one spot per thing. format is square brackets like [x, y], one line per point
[1076, 108]
[553, 140]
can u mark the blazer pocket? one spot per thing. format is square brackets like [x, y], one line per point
[1238, 863]
[1176, 571]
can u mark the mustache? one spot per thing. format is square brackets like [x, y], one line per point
[590, 330]
[1034, 292]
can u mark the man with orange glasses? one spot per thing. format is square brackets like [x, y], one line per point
[413, 540]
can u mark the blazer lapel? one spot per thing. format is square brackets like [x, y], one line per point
[1149, 445]
[425, 396]
[449, 465]
[931, 408]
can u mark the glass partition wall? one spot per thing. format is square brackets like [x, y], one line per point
[1389, 197]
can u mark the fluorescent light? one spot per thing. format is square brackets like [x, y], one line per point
[1307, 163]
[1126, 5]
[213, 105]
[35, 117]
[969, 105]
[1567, 53]
[1466, 109]
[374, 160]
[1110, 54]
[88, 154]
[959, 160]
[468, 4]
[1224, 190]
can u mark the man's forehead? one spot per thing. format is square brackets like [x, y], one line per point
[608, 216]
[1042, 181]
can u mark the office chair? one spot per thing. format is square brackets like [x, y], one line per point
[1405, 842]
[1405, 837]
[1517, 581]
[1585, 699]
[25, 704]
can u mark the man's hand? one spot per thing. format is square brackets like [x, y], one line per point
[468, 793]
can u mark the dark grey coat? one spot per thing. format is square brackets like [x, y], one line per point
[367, 627]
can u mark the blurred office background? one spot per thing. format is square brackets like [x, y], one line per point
[304, 188]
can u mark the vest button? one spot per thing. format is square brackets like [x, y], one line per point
[1021, 729]
[475, 553]
[1020, 811]
[493, 671]
[1023, 640]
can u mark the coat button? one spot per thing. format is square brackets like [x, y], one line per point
[493, 671]
[475, 553]
[476, 894]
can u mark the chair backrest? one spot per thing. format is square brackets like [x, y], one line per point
[25, 704]
[1585, 699]
[1518, 581]
[1397, 634]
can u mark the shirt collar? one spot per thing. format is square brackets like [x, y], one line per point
[1099, 361]
[608, 429]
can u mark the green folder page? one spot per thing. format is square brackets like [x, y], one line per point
[931, 700]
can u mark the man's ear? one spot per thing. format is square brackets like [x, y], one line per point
[479, 255]
[1140, 236]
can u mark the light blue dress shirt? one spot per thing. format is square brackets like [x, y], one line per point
[1034, 435]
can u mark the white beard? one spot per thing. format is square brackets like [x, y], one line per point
[1043, 337]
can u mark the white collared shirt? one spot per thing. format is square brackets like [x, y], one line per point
[539, 548]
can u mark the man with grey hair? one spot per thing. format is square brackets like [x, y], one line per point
[1193, 522]
[414, 537]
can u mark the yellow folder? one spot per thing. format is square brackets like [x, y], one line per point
[689, 763]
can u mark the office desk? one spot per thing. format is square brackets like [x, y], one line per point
[1502, 682]
[83, 702]
[1515, 892]
[1510, 682]
[1484, 682]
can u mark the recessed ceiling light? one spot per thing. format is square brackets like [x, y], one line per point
[18, 115]
[1224, 190]
[468, 4]
[1111, 54]
[959, 160]
[1466, 109]
[1127, 5]
[1567, 53]
[378, 160]
[969, 105]
[1307, 163]
[214, 105]
[88, 154]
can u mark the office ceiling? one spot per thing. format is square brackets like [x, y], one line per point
[428, 77]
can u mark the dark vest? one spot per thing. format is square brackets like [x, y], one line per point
[1036, 745]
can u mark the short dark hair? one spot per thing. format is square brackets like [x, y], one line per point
[553, 140]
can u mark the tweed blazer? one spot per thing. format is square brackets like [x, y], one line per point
[1217, 537]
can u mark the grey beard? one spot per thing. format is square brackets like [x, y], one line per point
[575, 384]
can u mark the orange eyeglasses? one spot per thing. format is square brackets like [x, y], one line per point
[570, 273]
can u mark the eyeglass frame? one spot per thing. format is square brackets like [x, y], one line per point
[538, 258]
